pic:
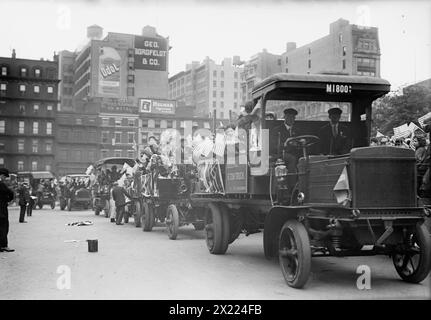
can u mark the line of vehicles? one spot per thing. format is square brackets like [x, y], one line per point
[358, 204]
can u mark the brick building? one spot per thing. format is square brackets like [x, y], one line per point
[28, 108]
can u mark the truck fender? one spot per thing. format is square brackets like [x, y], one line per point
[274, 221]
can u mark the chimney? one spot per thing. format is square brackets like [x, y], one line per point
[290, 46]
[13, 54]
[94, 32]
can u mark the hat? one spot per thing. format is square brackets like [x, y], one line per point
[4, 171]
[335, 111]
[290, 111]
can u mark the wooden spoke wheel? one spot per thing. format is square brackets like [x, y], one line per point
[217, 229]
[147, 216]
[414, 263]
[294, 253]
[172, 221]
[138, 214]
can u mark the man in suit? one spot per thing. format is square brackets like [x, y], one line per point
[24, 200]
[289, 154]
[334, 136]
[6, 195]
[118, 195]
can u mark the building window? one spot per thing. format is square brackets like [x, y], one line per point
[309, 51]
[49, 128]
[215, 73]
[34, 165]
[214, 94]
[105, 136]
[221, 104]
[287, 60]
[279, 62]
[105, 122]
[48, 146]
[131, 122]
[214, 104]
[344, 64]
[47, 167]
[215, 83]
[222, 84]
[49, 107]
[21, 127]
[1, 146]
[20, 165]
[235, 85]
[22, 88]
[36, 89]
[222, 94]
[221, 114]
[157, 123]
[3, 87]
[37, 73]
[130, 154]
[4, 71]
[287, 70]
[131, 137]
[169, 124]
[117, 153]
[117, 137]
[344, 51]
[91, 155]
[20, 145]
[23, 72]
[2, 126]
[309, 64]
[145, 123]
[130, 92]
[35, 146]
[118, 122]
[35, 108]
[50, 89]
[131, 65]
[130, 78]
[235, 95]
[35, 127]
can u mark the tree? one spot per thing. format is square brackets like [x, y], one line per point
[394, 110]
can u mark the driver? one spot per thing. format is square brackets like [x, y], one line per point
[288, 153]
[334, 136]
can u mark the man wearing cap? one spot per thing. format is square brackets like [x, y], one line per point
[289, 154]
[334, 136]
[24, 200]
[118, 195]
[6, 195]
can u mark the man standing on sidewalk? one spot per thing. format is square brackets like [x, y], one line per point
[118, 194]
[24, 200]
[6, 195]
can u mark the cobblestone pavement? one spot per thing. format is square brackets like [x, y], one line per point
[132, 264]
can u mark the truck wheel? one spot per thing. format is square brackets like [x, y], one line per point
[138, 214]
[62, 204]
[69, 205]
[40, 205]
[413, 265]
[172, 221]
[294, 253]
[217, 229]
[147, 217]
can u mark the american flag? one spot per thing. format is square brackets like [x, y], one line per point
[220, 143]
[422, 119]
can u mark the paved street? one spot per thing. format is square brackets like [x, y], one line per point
[132, 264]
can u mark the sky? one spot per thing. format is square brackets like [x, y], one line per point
[222, 28]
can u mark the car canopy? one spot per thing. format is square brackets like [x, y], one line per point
[115, 160]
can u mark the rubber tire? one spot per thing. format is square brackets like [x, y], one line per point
[175, 220]
[147, 217]
[138, 214]
[62, 204]
[424, 240]
[220, 229]
[303, 248]
[69, 205]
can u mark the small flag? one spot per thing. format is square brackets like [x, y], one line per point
[379, 134]
[342, 188]
[220, 143]
[422, 119]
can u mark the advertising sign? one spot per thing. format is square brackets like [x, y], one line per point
[109, 71]
[150, 53]
[157, 106]
[236, 178]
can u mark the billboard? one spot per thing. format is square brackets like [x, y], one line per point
[157, 106]
[150, 53]
[109, 71]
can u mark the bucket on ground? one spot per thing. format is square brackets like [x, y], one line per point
[92, 245]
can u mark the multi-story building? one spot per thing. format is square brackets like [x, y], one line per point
[260, 66]
[66, 60]
[210, 87]
[348, 49]
[77, 140]
[28, 107]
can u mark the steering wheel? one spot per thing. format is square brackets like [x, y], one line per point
[301, 141]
